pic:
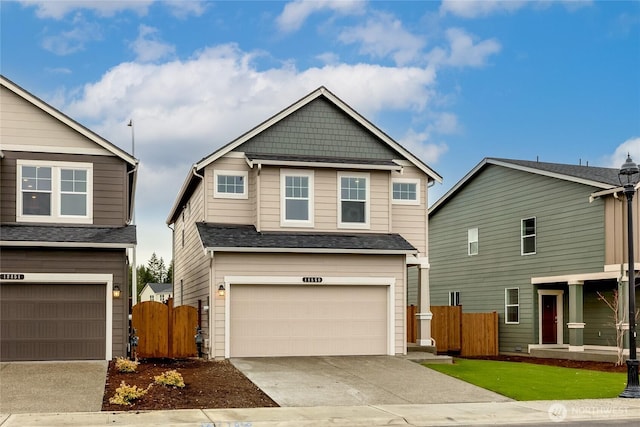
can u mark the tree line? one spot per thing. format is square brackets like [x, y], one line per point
[154, 271]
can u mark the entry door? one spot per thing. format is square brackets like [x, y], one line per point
[549, 319]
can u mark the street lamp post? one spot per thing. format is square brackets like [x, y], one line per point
[628, 178]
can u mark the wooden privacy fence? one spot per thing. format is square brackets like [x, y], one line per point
[164, 331]
[412, 323]
[470, 334]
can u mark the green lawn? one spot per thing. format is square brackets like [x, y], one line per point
[527, 381]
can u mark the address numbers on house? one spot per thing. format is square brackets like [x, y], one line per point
[11, 276]
[312, 280]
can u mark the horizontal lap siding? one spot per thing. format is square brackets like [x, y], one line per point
[570, 239]
[109, 185]
[265, 265]
[86, 261]
[411, 220]
[26, 125]
[230, 211]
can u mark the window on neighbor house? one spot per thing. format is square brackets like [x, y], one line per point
[472, 241]
[353, 191]
[454, 298]
[405, 191]
[54, 192]
[528, 241]
[151, 298]
[230, 184]
[296, 202]
[512, 305]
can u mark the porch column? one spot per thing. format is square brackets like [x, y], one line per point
[576, 318]
[425, 315]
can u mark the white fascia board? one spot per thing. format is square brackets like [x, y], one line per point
[335, 165]
[312, 251]
[32, 244]
[575, 278]
[191, 176]
[63, 118]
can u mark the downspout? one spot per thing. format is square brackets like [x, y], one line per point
[258, 198]
[211, 311]
[131, 221]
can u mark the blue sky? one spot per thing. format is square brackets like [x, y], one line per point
[453, 81]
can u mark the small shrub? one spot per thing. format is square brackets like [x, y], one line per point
[125, 394]
[170, 378]
[126, 365]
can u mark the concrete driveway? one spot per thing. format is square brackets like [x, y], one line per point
[356, 380]
[33, 387]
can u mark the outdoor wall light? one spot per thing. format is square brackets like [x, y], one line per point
[221, 290]
[116, 291]
[628, 176]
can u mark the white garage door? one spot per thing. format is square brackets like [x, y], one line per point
[289, 320]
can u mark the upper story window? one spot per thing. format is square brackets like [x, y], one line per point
[54, 192]
[354, 200]
[405, 191]
[472, 241]
[230, 184]
[296, 201]
[528, 240]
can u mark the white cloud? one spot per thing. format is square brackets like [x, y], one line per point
[463, 52]
[185, 8]
[328, 58]
[630, 146]
[477, 8]
[296, 12]
[58, 9]
[419, 143]
[148, 47]
[74, 40]
[184, 110]
[383, 35]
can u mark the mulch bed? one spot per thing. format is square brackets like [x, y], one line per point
[576, 364]
[209, 384]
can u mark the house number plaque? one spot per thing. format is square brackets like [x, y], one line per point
[11, 276]
[312, 280]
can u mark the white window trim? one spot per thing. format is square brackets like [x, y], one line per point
[219, 195]
[415, 181]
[56, 216]
[284, 222]
[367, 207]
[454, 293]
[535, 236]
[469, 241]
[506, 293]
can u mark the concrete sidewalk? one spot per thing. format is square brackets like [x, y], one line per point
[495, 413]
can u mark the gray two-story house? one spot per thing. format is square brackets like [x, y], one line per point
[66, 200]
[535, 242]
[296, 237]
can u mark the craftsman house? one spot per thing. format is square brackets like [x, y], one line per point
[159, 292]
[296, 236]
[535, 242]
[66, 199]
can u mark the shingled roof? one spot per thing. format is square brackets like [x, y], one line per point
[597, 177]
[245, 238]
[51, 235]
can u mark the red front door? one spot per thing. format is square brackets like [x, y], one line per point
[549, 319]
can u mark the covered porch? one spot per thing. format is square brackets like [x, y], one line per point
[573, 322]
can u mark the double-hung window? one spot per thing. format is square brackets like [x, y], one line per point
[230, 184]
[472, 241]
[405, 191]
[512, 305]
[54, 192]
[528, 240]
[353, 202]
[296, 201]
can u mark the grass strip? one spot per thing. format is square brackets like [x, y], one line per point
[528, 381]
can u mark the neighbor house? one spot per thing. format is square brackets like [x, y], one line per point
[535, 242]
[66, 200]
[159, 292]
[296, 237]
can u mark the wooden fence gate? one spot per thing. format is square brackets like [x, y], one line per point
[470, 334]
[164, 331]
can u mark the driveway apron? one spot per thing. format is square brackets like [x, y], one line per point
[356, 380]
[37, 387]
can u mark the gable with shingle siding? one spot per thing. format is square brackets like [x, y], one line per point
[319, 129]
